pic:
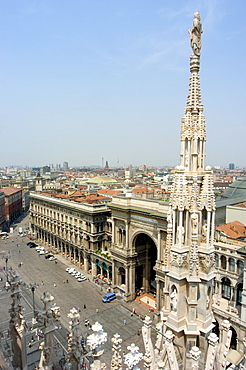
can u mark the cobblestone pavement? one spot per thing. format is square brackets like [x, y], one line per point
[50, 276]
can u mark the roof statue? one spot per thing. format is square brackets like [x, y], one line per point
[195, 34]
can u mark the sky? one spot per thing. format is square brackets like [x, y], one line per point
[90, 81]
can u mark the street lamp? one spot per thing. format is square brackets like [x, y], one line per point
[33, 288]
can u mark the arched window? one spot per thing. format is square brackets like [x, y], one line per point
[231, 264]
[226, 288]
[223, 262]
[240, 267]
[233, 344]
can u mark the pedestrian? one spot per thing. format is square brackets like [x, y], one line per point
[97, 310]
[67, 280]
[54, 284]
[42, 282]
[64, 281]
[124, 321]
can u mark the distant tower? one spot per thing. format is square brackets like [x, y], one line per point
[190, 250]
[106, 166]
[65, 166]
[231, 166]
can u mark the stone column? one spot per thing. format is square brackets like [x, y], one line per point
[93, 268]
[127, 296]
[158, 295]
[127, 235]
[75, 349]
[132, 280]
[159, 246]
[85, 264]
[114, 275]
[243, 303]
[211, 354]
[48, 353]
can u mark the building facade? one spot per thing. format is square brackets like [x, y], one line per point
[80, 232]
[13, 203]
[2, 211]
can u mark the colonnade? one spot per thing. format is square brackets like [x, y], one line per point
[80, 256]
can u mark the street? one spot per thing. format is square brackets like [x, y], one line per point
[51, 277]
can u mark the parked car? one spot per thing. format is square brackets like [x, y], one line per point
[73, 273]
[43, 252]
[32, 245]
[39, 249]
[67, 269]
[48, 256]
[71, 270]
[82, 278]
[52, 258]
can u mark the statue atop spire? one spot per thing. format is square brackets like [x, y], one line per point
[195, 35]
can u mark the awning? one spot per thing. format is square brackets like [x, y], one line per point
[234, 357]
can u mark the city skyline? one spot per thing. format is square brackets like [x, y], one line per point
[82, 81]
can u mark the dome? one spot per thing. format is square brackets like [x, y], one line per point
[236, 189]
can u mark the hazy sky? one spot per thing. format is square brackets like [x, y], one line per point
[83, 80]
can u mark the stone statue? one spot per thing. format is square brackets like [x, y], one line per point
[174, 300]
[195, 35]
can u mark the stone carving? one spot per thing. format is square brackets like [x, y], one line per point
[180, 235]
[204, 232]
[174, 300]
[195, 34]
[206, 262]
[193, 259]
[74, 339]
[132, 358]
[116, 358]
[194, 221]
[179, 260]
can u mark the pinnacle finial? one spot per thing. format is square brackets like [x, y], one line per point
[195, 35]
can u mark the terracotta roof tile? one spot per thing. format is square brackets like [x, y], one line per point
[233, 229]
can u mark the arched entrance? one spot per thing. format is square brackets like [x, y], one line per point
[145, 262]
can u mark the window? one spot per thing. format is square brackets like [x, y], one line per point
[226, 288]
[223, 262]
[231, 264]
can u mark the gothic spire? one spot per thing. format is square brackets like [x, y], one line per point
[193, 129]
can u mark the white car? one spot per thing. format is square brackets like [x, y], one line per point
[82, 278]
[52, 258]
[39, 249]
[43, 252]
[71, 270]
[73, 273]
